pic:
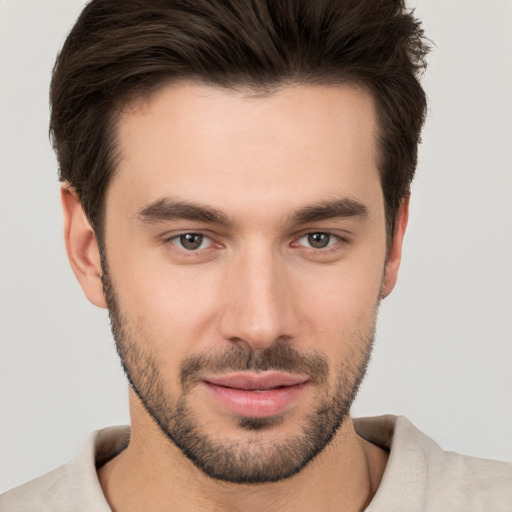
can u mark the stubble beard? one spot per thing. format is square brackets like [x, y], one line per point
[256, 460]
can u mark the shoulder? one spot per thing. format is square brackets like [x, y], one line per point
[469, 483]
[466, 479]
[39, 494]
[420, 475]
[73, 487]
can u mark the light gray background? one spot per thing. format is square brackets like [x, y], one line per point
[443, 355]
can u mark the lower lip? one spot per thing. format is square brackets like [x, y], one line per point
[256, 404]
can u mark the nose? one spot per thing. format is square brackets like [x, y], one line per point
[258, 307]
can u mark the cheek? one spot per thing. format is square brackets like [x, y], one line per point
[340, 307]
[170, 306]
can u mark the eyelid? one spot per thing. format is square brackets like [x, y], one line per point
[205, 238]
[340, 234]
[340, 241]
[170, 237]
[333, 239]
[324, 254]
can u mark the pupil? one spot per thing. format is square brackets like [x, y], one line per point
[318, 240]
[191, 241]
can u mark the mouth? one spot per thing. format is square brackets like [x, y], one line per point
[256, 395]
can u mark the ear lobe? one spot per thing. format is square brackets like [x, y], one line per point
[81, 246]
[395, 250]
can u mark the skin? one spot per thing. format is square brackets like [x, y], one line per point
[258, 160]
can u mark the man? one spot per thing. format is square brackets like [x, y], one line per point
[235, 190]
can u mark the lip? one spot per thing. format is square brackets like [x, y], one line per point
[256, 395]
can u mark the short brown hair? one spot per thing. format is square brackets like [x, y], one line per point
[117, 50]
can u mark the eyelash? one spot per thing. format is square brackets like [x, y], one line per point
[330, 235]
[173, 242]
[338, 244]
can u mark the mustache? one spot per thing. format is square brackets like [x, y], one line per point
[239, 358]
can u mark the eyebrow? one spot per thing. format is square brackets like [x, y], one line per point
[167, 209]
[339, 208]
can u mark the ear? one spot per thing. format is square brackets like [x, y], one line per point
[395, 250]
[81, 246]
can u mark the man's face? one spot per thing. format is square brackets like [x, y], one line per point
[246, 246]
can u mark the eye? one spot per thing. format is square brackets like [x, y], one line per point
[318, 240]
[191, 241]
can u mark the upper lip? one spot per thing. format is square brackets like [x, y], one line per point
[256, 381]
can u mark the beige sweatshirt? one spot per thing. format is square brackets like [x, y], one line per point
[419, 476]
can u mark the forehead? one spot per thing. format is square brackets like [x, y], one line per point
[297, 144]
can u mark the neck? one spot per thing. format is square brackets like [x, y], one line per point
[153, 474]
